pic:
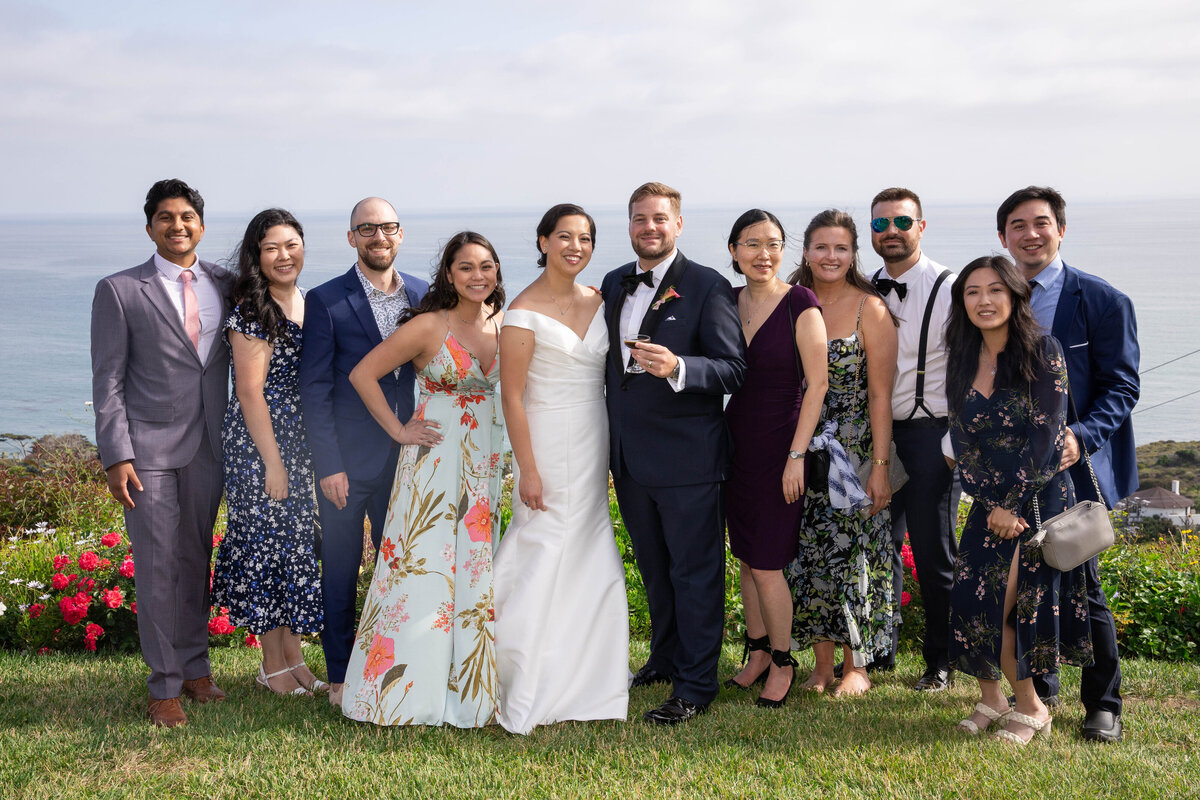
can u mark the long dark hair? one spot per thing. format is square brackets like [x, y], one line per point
[251, 291]
[753, 217]
[836, 218]
[441, 294]
[1021, 358]
[550, 221]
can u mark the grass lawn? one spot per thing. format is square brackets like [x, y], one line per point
[72, 726]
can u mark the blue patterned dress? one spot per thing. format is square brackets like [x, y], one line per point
[1008, 447]
[266, 571]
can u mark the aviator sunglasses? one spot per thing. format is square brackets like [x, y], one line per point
[880, 224]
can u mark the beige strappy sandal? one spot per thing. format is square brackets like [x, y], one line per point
[1038, 726]
[969, 727]
[262, 678]
[317, 684]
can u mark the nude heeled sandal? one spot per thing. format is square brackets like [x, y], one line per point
[1039, 727]
[969, 727]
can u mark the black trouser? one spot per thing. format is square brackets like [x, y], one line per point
[1100, 684]
[926, 507]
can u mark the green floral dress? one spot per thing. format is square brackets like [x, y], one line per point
[424, 653]
[842, 580]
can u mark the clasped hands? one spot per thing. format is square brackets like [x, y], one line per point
[1005, 523]
[654, 358]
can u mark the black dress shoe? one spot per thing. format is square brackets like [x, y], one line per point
[1049, 702]
[647, 676]
[1101, 726]
[674, 711]
[935, 679]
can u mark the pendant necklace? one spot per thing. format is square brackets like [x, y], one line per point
[562, 311]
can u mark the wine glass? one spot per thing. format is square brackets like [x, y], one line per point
[631, 341]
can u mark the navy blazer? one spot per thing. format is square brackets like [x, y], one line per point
[664, 437]
[339, 329]
[1096, 326]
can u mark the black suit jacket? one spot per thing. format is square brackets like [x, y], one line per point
[664, 437]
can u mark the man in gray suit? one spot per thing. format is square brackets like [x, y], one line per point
[160, 376]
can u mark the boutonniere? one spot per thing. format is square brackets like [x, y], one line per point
[666, 297]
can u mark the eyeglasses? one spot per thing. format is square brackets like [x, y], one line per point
[774, 247]
[367, 229]
[880, 224]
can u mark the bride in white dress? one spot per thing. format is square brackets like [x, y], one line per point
[562, 623]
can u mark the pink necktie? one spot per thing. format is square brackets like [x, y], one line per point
[191, 308]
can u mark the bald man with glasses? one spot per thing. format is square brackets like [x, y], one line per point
[354, 459]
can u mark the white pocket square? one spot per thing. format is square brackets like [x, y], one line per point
[669, 319]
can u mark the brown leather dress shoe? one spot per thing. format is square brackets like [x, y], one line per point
[167, 713]
[203, 690]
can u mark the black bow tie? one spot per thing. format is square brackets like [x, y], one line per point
[630, 282]
[885, 285]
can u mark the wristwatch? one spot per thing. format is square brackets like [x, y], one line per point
[794, 454]
[675, 372]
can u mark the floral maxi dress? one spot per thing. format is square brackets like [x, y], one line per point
[266, 570]
[1008, 448]
[842, 580]
[424, 653]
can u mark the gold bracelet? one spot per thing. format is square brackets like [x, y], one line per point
[883, 462]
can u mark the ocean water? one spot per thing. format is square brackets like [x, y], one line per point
[48, 271]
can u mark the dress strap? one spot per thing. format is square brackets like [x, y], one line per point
[858, 321]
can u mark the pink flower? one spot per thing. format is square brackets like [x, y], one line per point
[906, 556]
[113, 597]
[36, 610]
[59, 581]
[252, 641]
[462, 359]
[220, 626]
[905, 598]
[110, 539]
[88, 561]
[74, 608]
[479, 521]
[61, 563]
[133, 606]
[93, 630]
[88, 583]
[43, 651]
[380, 657]
[218, 538]
[126, 568]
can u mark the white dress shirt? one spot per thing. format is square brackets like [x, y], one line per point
[918, 280]
[635, 308]
[208, 298]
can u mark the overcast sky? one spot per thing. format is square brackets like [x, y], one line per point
[313, 105]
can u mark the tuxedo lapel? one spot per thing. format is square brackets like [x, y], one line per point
[614, 316]
[156, 294]
[661, 305]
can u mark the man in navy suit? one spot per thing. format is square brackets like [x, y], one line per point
[669, 446]
[354, 459]
[1096, 327]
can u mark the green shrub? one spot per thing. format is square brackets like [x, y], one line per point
[1155, 603]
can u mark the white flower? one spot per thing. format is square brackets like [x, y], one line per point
[15, 581]
[36, 585]
[3, 608]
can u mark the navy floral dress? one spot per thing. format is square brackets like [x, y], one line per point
[266, 571]
[1008, 447]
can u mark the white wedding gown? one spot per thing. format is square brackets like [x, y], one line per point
[562, 622]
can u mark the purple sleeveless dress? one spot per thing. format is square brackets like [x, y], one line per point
[763, 528]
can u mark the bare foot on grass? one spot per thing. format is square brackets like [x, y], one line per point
[854, 682]
[817, 681]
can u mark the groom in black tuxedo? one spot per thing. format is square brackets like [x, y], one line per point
[669, 447]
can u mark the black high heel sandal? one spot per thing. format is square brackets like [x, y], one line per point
[780, 658]
[751, 645]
